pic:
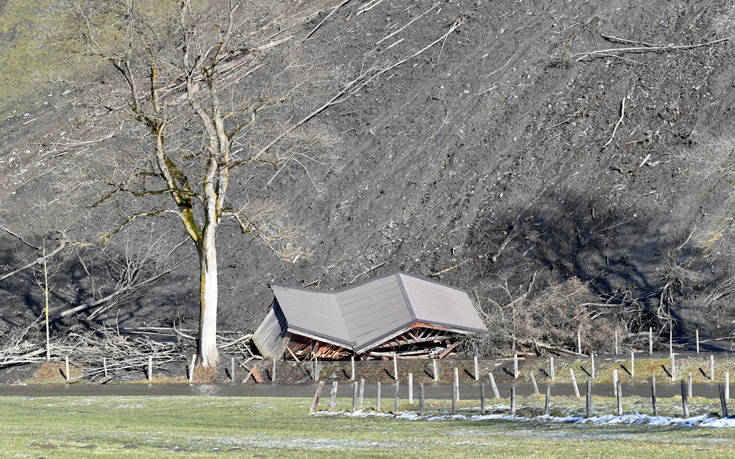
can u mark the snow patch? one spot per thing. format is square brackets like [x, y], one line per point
[626, 419]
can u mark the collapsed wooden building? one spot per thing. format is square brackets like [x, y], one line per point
[399, 314]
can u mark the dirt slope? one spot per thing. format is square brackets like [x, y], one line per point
[492, 151]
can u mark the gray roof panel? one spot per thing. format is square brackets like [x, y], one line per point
[438, 304]
[358, 316]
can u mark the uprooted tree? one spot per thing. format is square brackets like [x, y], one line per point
[181, 71]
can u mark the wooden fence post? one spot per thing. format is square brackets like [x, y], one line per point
[191, 367]
[150, 368]
[362, 393]
[615, 382]
[671, 340]
[548, 400]
[456, 382]
[689, 385]
[477, 369]
[410, 388]
[494, 386]
[482, 398]
[616, 342]
[727, 385]
[533, 381]
[395, 409]
[515, 366]
[513, 399]
[436, 370]
[574, 382]
[619, 395]
[712, 368]
[632, 364]
[579, 342]
[653, 394]
[588, 399]
[650, 340]
[66, 369]
[697, 339]
[378, 399]
[723, 400]
[395, 366]
[684, 404]
[355, 390]
[592, 364]
[454, 398]
[104, 366]
[421, 399]
[673, 368]
[232, 369]
[333, 396]
[352, 365]
[551, 367]
[317, 395]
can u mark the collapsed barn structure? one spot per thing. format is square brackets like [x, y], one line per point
[399, 313]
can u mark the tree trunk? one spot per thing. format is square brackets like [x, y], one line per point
[208, 354]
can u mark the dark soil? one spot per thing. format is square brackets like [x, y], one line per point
[485, 151]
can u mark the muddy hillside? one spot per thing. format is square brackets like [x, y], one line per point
[504, 147]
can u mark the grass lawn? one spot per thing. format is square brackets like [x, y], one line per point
[266, 427]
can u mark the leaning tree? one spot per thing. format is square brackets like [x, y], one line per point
[181, 70]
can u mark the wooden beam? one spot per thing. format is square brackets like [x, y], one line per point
[448, 350]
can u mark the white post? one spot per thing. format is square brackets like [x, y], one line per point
[671, 340]
[67, 368]
[673, 368]
[150, 368]
[515, 366]
[616, 342]
[496, 394]
[410, 388]
[273, 373]
[352, 363]
[650, 340]
[191, 367]
[727, 385]
[436, 370]
[477, 370]
[697, 334]
[551, 367]
[689, 385]
[456, 383]
[579, 342]
[395, 366]
[615, 382]
[574, 382]
[592, 364]
[632, 364]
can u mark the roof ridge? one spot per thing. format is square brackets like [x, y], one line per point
[406, 298]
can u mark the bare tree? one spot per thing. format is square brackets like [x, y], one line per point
[178, 68]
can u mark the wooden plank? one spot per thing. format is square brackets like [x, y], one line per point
[448, 350]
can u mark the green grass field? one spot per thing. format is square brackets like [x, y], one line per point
[266, 427]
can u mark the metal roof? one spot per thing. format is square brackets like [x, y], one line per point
[359, 317]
